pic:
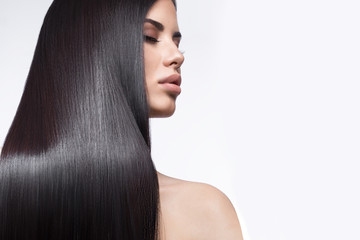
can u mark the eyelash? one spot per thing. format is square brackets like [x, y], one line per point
[151, 39]
[154, 40]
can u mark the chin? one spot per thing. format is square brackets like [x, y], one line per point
[162, 111]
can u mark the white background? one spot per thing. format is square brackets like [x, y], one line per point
[269, 111]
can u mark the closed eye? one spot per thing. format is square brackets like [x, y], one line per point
[150, 39]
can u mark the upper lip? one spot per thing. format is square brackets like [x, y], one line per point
[175, 78]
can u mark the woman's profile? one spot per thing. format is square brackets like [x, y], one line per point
[76, 161]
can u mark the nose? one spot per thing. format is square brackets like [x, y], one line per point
[173, 57]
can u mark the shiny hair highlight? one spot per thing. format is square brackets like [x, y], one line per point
[76, 161]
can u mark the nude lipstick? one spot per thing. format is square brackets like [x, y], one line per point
[172, 83]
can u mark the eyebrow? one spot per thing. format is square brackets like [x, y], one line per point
[160, 27]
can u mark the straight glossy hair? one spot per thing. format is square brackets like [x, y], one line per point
[76, 161]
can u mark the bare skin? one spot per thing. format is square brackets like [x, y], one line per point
[188, 210]
[191, 210]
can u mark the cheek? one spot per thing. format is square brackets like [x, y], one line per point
[152, 63]
[149, 58]
[160, 103]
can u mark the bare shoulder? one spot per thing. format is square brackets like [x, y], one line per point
[202, 209]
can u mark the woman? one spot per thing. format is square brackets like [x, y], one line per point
[76, 161]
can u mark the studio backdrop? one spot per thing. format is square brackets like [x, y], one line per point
[269, 111]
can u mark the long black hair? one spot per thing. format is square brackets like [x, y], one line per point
[76, 161]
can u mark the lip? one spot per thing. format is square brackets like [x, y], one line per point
[174, 79]
[172, 83]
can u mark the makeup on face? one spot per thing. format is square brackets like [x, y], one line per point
[162, 58]
[151, 32]
[172, 83]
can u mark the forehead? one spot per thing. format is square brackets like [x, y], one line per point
[164, 12]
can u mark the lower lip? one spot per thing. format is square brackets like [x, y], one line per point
[171, 87]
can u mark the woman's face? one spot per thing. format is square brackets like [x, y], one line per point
[162, 58]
